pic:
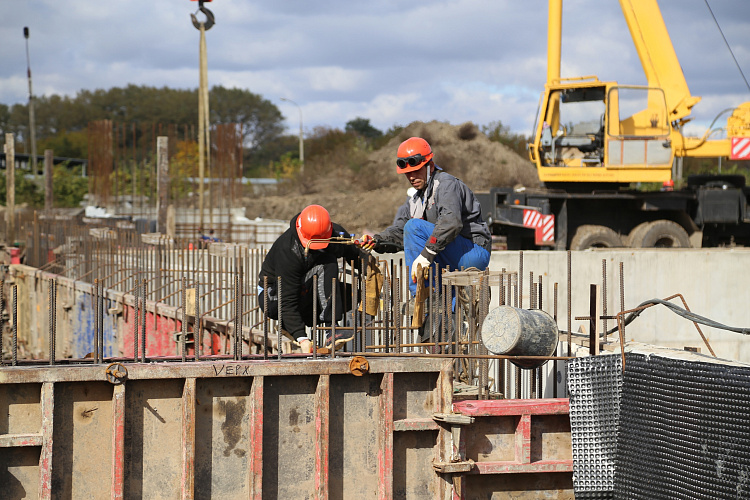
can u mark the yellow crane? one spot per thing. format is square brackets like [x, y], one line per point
[594, 138]
[605, 132]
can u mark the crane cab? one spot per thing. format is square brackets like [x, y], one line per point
[589, 131]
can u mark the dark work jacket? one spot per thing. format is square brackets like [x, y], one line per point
[286, 259]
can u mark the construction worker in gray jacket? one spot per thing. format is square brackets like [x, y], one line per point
[441, 223]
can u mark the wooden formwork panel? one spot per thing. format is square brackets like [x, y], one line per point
[249, 429]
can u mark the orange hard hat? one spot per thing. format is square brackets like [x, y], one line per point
[412, 154]
[314, 223]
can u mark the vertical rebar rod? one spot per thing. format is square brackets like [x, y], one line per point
[386, 332]
[314, 330]
[14, 305]
[278, 330]
[363, 283]
[265, 317]
[144, 315]
[198, 324]
[532, 291]
[242, 310]
[622, 295]
[136, 303]
[570, 300]
[236, 343]
[183, 333]
[333, 317]
[397, 316]
[52, 319]
[2, 312]
[520, 279]
[101, 321]
[96, 320]
[557, 349]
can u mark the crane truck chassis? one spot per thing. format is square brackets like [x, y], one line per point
[595, 139]
[711, 211]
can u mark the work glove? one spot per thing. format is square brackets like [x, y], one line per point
[375, 244]
[425, 260]
[367, 242]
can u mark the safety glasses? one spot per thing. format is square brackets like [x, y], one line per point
[411, 161]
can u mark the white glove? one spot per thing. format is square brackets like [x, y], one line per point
[420, 260]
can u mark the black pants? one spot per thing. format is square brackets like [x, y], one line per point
[325, 273]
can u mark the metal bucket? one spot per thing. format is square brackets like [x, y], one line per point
[520, 332]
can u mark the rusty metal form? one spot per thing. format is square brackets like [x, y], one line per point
[100, 161]
[226, 429]
[226, 166]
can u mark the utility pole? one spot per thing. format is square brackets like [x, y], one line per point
[301, 139]
[204, 130]
[32, 126]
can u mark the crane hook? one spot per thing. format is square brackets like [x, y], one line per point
[210, 21]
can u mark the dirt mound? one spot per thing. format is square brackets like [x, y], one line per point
[366, 198]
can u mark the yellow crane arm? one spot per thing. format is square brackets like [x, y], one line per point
[657, 55]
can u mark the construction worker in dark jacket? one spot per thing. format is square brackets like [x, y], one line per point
[441, 223]
[300, 253]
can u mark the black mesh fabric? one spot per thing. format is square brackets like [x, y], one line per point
[684, 430]
[594, 384]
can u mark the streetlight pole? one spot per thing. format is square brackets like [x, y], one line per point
[32, 127]
[301, 140]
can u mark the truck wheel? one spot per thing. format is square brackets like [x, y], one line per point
[635, 238]
[590, 236]
[661, 234]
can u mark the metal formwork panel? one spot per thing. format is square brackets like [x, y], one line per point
[683, 430]
[514, 449]
[595, 385]
[225, 429]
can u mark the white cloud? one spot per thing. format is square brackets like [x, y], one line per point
[389, 61]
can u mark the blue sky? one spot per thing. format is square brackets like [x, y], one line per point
[391, 61]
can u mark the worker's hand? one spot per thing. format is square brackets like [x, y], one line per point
[419, 261]
[367, 242]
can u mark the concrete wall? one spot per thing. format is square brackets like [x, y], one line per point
[714, 283]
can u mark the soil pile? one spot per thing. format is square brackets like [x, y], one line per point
[365, 199]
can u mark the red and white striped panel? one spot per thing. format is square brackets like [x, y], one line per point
[740, 149]
[544, 226]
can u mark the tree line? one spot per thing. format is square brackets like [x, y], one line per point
[62, 124]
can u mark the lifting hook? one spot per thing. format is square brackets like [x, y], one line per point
[210, 21]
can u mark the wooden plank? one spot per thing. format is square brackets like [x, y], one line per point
[415, 424]
[507, 407]
[118, 442]
[322, 436]
[385, 450]
[256, 439]
[188, 439]
[523, 439]
[517, 467]
[16, 440]
[45, 457]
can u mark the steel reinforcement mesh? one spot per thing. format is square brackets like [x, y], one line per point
[684, 430]
[594, 384]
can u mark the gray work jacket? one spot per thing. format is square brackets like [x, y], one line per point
[450, 205]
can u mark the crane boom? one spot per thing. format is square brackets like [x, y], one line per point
[657, 55]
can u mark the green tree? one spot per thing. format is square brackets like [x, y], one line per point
[498, 132]
[363, 128]
[26, 192]
[68, 186]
